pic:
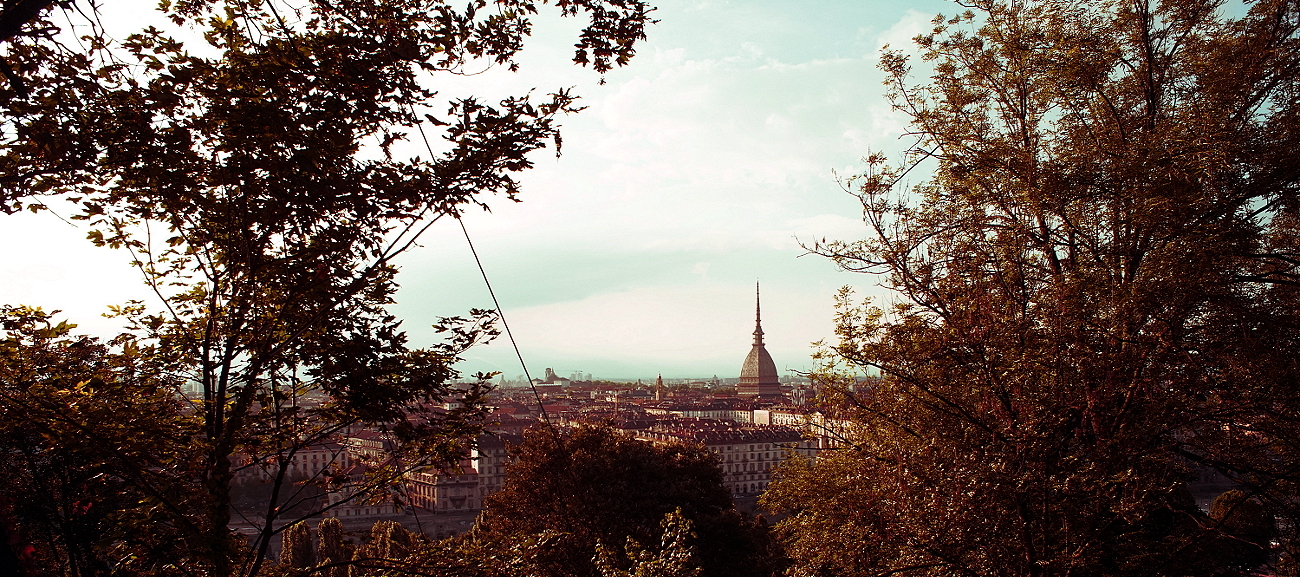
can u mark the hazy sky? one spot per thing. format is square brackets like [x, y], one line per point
[692, 174]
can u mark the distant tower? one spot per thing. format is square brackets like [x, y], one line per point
[758, 376]
[659, 388]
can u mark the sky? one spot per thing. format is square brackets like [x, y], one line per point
[694, 173]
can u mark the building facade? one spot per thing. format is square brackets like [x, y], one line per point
[746, 454]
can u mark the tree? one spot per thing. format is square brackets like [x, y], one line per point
[255, 182]
[1247, 529]
[295, 546]
[91, 439]
[389, 544]
[468, 557]
[1094, 291]
[593, 484]
[329, 550]
[674, 557]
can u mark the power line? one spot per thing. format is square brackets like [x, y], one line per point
[500, 313]
[545, 418]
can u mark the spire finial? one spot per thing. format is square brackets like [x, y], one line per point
[758, 317]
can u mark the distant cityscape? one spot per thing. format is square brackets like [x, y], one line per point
[751, 422]
[713, 383]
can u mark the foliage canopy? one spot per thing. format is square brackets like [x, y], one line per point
[1094, 296]
[592, 489]
[253, 177]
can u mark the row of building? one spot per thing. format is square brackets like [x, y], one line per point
[750, 431]
[747, 451]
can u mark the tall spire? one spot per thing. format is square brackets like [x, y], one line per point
[758, 376]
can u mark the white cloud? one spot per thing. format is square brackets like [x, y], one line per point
[900, 36]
